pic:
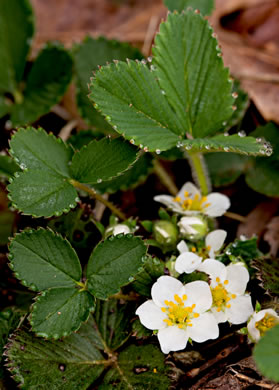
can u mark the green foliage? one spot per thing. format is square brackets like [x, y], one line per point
[153, 269]
[233, 143]
[102, 160]
[246, 250]
[142, 367]
[42, 259]
[79, 360]
[59, 311]
[225, 168]
[7, 166]
[16, 31]
[266, 354]
[268, 273]
[241, 103]
[87, 57]
[52, 192]
[124, 253]
[46, 84]
[263, 176]
[204, 6]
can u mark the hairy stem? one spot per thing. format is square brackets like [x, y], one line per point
[99, 197]
[165, 177]
[199, 172]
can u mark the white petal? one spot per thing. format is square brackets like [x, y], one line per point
[215, 240]
[219, 204]
[220, 316]
[203, 328]
[121, 228]
[253, 332]
[182, 247]
[187, 262]
[198, 293]
[241, 309]
[172, 339]
[189, 187]
[151, 315]
[214, 269]
[238, 277]
[167, 200]
[164, 289]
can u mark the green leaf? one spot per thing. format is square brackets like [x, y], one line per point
[225, 168]
[129, 179]
[266, 354]
[241, 103]
[73, 363]
[58, 312]
[42, 195]
[7, 221]
[140, 368]
[190, 70]
[114, 321]
[4, 107]
[134, 104]
[7, 166]
[102, 160]
[123, 253]
[268, 273]
[246, 249]
[16, 31]
[83, 137]
[33, 192]
[233, 143]
[42, 259]
[46, 84]
[87, 56]
[9, 320]
[153, 269]
[263, 176]
[205, 6]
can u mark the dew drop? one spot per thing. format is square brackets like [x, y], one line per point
[131, 279]
[140, 146]
[234, 108]
[214, 35]
[262, 151]
[132, 141]
[22, 347]
[23, 166]
[59, 313]
[235, 95]
[108, 118]
[188, 147]
[114, 127]
[179, 144]
[99, 181]
[163, 92]
[152, 68]
[143, 62]
[77, 199]
[149, 59]
[228, 252]
[224, 123]
[226, 149]
[157, 151]
[242, 133]
[226, 134]
[145, 149]
[62, 367]
[207, 147]
[8, 125]
[269, 152]
[220, 54]
[259, 140]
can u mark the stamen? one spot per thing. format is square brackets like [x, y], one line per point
[184, 297]
[228, 306]
[196, 315]
[218, 279]
[194, 249]
[226, 282]
[233, 296]
[186, 194]
[163, 309]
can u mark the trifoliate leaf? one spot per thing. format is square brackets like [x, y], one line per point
[233, 143]
[130, 178]
[58, 312]
[114, 263]
[204, 6]
[192, 75]
[16, 31]
[263, 176]
[139, 368]
[88, 55]
[266, 354]
[72, 363]
[225, 168]
[44, 189]
[7, 166]
[46, 84]
[102, 160]
[42, 259]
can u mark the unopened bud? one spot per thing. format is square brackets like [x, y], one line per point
[193, 228]
[165, 233]
[117, 229]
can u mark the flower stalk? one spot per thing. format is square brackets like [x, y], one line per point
[199, 172]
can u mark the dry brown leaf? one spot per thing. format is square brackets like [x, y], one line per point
[251, 49]
[272, 235]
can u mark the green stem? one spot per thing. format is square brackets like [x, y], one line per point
[97, 196]
[165, 177]
[199, 172]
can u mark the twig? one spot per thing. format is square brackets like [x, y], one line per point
[60, 111]
[254, 381]
[165, 178]
[65, 132]
[152, 26]
[235, 216]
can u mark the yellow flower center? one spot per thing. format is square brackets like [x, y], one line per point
[178, 313]
[202, 252]
[198, 203]
[221, 296]
[266, 323]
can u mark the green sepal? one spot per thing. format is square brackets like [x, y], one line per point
[7, 166]
[124, 253]
[58, 312]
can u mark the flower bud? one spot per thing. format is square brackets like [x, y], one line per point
[117, 229]
[165, 233]
[193, 227]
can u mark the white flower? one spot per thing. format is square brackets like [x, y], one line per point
[119, 228]
[190, 201]
[260, 322]
[228, 285]
[179, 312]
[189, 262]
